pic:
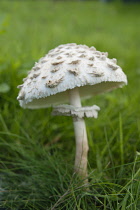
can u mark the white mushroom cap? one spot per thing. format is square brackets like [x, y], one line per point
[66, 67]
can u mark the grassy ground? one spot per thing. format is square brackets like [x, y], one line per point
[36, 149]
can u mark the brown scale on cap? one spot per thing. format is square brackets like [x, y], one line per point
[55, 70]
[21, 96]
[97, 73]
[91, 58]
[74, 62]
[57, 63]
[70, 54]
[28, 83]
[90, 64]
[97, 53]
[62, 51]
[57, 51]
[54, 82]
[59, 57]
[105, 53]
[60, 47]
[84, 46]
[24, 79]
[81, 51]
[103, 57]
[74, 71]
[44, 61]
[29, 72]
[92, 48]
[43, 77]
[36, 68]
[53, 54]
[98, 56]
[114, 67]
[30, 91]
[82, 56]
[19, 86]
[36, 75]
[114, 60]
[31, 77]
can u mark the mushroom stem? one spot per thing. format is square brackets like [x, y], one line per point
[80, 136]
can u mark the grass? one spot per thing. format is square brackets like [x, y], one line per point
[36, 149]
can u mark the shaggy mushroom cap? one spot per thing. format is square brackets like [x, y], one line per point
[66, 67]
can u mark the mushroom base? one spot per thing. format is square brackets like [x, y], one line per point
[81, 156]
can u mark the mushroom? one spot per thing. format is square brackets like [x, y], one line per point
[71, 72]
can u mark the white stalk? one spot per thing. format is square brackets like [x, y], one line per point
[80, 136]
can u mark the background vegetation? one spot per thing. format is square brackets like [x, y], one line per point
[36, 149]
